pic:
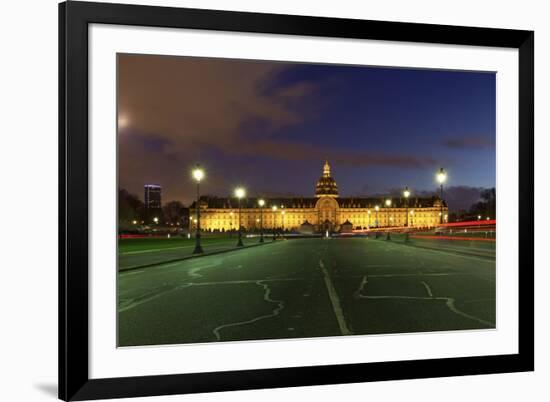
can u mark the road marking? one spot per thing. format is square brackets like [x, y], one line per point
[162, 266]
[449, 302]
[357, 293]
[193, 272]
[336, 306]
[428, 289]
[131, 304]
[245, 281]
[267, 298]
[455, 252]
[406, 275]
[153, 250]
[128, 305]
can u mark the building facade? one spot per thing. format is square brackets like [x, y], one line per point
[325, 211]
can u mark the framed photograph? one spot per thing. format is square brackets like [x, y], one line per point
[258, 201]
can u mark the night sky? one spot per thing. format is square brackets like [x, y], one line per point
[269, 126]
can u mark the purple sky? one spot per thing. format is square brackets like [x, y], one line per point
[269, 126]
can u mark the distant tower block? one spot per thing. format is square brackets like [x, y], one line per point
[153, 196]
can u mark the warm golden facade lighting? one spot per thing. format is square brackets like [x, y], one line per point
[323, 212]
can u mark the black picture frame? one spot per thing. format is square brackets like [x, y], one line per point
[74, 381]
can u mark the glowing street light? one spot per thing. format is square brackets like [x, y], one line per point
[441, 177]
[240, 193]
[198, 175]
[406, 194]
[261, 203]
[388, 204]
[156, 220]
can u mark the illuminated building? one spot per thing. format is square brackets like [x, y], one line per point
[326, 211]
[152, 196]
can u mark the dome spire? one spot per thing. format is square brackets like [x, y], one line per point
[326, 169]
[326, 185]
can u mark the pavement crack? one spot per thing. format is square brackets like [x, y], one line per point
[267, 298]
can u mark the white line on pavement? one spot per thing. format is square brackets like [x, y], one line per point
[428, 289]
[335, 300]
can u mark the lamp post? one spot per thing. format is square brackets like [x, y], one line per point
[388, 204]
[406, 194]
[261, 203]
[198, 175]
[283, 221]
[274, 209]
[441, 178]
[240, 193]
[377, 208]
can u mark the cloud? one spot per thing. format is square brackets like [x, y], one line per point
[469, 142]
[180, 110]
[203, 101]
[295, 151]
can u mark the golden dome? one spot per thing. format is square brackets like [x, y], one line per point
[326, 185]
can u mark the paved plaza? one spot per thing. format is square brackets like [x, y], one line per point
[308, 288]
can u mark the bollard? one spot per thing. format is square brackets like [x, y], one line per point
[388, 237]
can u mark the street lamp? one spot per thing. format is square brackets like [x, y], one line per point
[283, 221]
[406, 194]
[198, 175]
[240, 193]
[388, 204]
[261, 203]
[441, 178]
[274, 209]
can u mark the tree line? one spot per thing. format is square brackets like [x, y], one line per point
[132, 211]
[483, 209]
